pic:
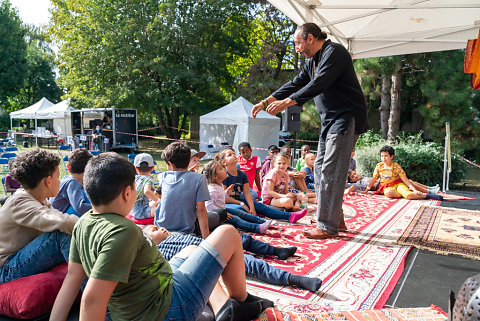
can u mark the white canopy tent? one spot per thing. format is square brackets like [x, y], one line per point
[31, 111]
[60, 113]
[374, 28]
[44, 109]
[233, 124]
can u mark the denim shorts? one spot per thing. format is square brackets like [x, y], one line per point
[194, 278]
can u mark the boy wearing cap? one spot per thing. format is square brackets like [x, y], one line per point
[195, 158]
[144, 186]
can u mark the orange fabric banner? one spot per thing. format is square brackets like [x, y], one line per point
[472, 61]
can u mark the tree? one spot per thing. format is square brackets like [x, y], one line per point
[39, 79]
[12, 51]
[164, 57]
[271, 59]
[449, 98]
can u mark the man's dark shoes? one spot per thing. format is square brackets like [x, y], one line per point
[318, 234]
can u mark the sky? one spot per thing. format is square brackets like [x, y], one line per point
[33, 11]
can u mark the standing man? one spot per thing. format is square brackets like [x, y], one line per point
[329, 78]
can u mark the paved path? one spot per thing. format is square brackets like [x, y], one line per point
[429, 277]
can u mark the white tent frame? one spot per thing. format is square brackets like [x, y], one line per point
[448, 37]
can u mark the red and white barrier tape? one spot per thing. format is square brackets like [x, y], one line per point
[180, 140]
[468, 161]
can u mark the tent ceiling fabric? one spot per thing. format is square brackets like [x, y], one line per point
[374, 28]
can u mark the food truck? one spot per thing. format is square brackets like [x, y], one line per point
[117, 128]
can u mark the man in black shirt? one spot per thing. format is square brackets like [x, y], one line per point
[329, 78]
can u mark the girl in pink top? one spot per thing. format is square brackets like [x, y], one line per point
[215, 173]
[275, 185]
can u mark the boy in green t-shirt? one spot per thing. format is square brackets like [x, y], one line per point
[127, 272]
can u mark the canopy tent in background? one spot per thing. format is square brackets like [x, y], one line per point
[234, 124]
[44, 109]
[374, 28]
[31, 111]
[60, 113]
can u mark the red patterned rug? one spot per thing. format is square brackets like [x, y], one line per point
[359, 269]
[411, 314]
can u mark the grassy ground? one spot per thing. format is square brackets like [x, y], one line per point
[155, 148]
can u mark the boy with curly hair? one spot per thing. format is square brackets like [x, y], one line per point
[71, 198]
[34, 237]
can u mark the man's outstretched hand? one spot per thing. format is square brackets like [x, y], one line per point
[256, 109]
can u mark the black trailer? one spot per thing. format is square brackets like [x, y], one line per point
[119, 128]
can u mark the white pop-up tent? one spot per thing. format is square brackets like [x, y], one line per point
[234, 124]
[374, 28]
[44, 109]
[60, 113]
[31, 111]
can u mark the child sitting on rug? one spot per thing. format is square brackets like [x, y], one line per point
[310, 177]
[144, 183]
[250, 165]
[275, 186]
[239, 180]
[126, 271]
[34, 237]
[394, 183]
[183, 193]
[215, 173]
[266, 165]
[195, 157]
[304, 150]
[357, 183]
[170, 244]
[71, 198]
[296, 182]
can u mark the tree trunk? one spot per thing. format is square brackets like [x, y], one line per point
[385, 105]
[394, 120]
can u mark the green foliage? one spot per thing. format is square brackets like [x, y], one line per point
[167, 58]
[270, 59]
[310, 125]
[422, 161]
[12, 51]
[39, 76]
[4, 122]
[435, 85]
[449, 99]
[368, 139]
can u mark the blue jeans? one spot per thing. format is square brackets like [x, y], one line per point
[255, 246]
[266, 210]
[141, 210]
[259, 268]
[193, 281]
[264, 271]
[252, 191]
[244, 220]
[40, 255]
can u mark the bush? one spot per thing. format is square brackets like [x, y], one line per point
[422, 161]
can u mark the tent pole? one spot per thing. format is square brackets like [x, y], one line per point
[36, 132]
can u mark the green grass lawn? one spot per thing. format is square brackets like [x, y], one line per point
[471, 182]
[153, 147]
